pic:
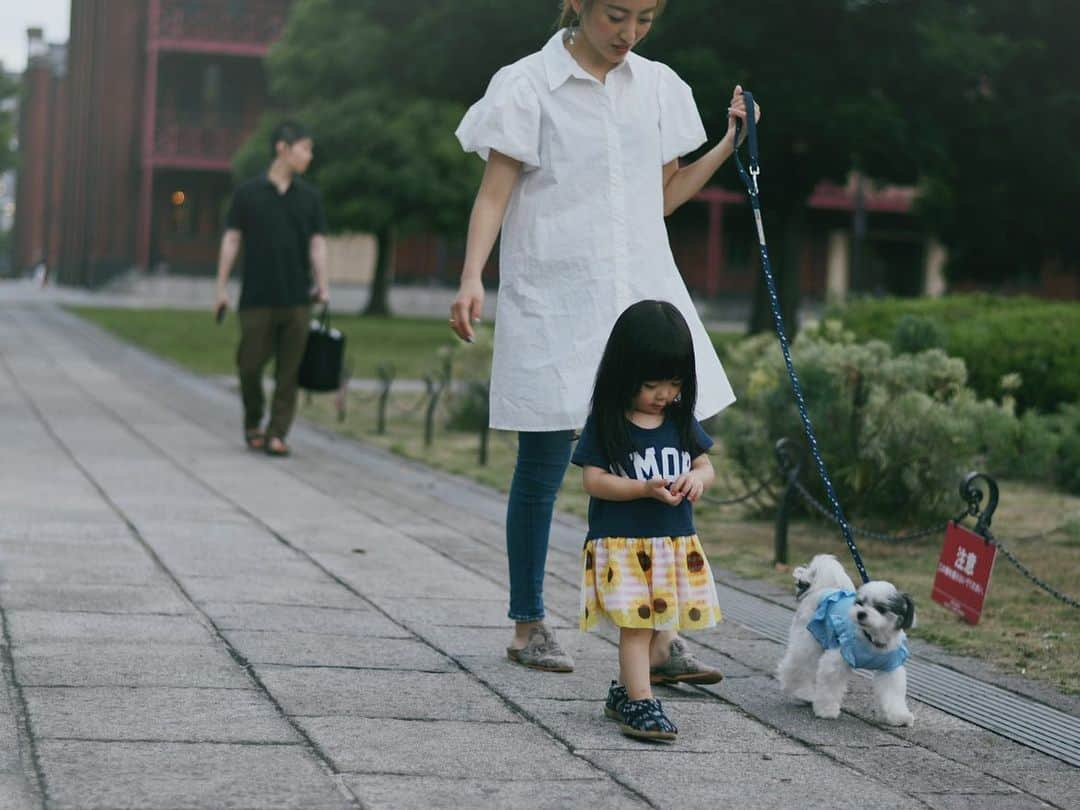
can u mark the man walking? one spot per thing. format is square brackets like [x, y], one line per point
[279, 219]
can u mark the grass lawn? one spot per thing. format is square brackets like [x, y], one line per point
[1023, 630]
[193, 339]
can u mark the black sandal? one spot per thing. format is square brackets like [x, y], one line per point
[645, 720]
[255, 439]
[616, 699]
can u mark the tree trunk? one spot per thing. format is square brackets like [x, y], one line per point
[785, 240]
[379, 300]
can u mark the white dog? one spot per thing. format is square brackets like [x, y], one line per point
[837, 629]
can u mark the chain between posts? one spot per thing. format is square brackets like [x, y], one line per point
[970, 493]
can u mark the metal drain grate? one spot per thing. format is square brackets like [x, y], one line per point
[1016, 717]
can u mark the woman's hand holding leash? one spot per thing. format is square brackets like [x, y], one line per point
[737, 111]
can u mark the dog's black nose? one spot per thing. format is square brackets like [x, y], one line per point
[861, 615]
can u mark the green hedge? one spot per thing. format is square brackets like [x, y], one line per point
[897, 430]
[995, 336]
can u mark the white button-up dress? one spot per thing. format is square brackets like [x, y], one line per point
[583, 236]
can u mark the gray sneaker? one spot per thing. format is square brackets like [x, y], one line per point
[683, 667]
[542, 652]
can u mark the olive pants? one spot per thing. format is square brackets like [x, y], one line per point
[280, 332]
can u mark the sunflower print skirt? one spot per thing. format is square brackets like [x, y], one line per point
[658, 583]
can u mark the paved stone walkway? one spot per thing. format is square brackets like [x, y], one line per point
[188, 625]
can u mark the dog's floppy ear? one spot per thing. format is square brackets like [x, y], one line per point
[905, 612]
[803, 577]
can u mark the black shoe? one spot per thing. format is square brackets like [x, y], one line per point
[616, 699]
[645, 720]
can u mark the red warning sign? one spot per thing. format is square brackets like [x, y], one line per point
[963, 572]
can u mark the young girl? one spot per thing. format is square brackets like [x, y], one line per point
[582, 141]
[644, 463]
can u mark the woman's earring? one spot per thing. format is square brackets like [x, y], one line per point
[573, 33]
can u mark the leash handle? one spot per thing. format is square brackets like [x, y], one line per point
[750, 180]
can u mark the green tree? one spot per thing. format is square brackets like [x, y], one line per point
[976, 102]
[386, 157]
[9, 88]
[826, 73]
[1003, 81]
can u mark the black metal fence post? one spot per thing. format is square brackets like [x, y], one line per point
[435, 387]
[484, 431]
[790, 456]
[482, 391]
[386, 376]
[341, 397]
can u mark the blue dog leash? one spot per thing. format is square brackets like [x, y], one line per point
[750, 180]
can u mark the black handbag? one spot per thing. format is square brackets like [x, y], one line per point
[324, 356]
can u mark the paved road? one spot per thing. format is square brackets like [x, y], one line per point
[188, 625]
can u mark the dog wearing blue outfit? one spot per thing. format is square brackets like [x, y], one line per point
[838, 628]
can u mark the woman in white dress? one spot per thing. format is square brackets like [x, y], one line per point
[582, 141]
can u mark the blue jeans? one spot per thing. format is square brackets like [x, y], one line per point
[541, 464]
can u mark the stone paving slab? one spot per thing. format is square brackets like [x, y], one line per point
[90, 663]
[357, 623]
[301, 649]
[932, 773]
[42, 625]
[589, 680]
[99, 598]
[981, 801]
[16, 793]
[269, 590]
[673, 778]
[406, 572]
[445, 748]
[69, 570]
[10, 759]
[482, 641]
[435, 793]
[156, 713]
[417, 609]
[314, 692]
[90, 776]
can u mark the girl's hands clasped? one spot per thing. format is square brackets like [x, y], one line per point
[688, 485]
[466, 309]
[659, 489]
[737, 111]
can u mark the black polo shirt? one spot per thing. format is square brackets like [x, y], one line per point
[277, 230]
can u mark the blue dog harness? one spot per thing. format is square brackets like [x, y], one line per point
[833, 627]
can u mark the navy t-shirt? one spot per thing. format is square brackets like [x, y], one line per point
[662, 455]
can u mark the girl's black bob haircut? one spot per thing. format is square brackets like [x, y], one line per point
[649, 342]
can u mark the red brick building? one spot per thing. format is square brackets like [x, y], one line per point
[126, 150]
[42, 125]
